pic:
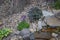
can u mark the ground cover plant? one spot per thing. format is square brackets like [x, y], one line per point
[4, 32]
[22, 25]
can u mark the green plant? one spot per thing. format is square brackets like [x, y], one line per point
[22, 25]
[35, 14]
[57, 4]
[4, 32]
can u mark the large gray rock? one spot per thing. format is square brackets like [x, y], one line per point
[27, 35]
[25, 32]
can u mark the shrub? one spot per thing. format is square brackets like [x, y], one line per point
[22, 25]
[34, 14]
[4, 32]
[57, 4]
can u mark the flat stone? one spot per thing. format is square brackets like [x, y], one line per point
[52, 21]
[47, 13]
[45, 35]
[52, 39]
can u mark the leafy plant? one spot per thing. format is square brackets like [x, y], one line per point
[35, 14]
[4, 32]
[57, 4]
[22, 25]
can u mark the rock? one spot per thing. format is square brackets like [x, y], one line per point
[58, 15]
[44, 35]
[54, 34]
[40, 24]
[17, 32]
[33, 27]
[59, 37]
[25, 32]
[47, 13]
[32, 36]
[52, 21]
[52, 39]
[27, 35]
[32, 30]
[20, 37]
[14, 38]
